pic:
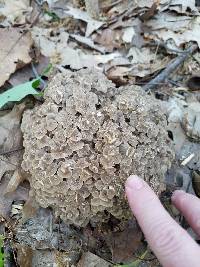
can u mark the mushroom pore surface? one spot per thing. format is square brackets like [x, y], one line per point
[84, 141]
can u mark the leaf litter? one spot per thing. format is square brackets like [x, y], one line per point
[15, 47]
[132, 42]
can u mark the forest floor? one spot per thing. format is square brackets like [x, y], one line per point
[150, 43]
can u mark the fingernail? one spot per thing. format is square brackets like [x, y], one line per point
[177, 193]
[134, 182]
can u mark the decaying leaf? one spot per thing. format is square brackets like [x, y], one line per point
[91, 260]
[124, 244]
[14, 181]
[15, 47]
[10, 140]
[196, 182]
[144, 61]
[15, 11]
[181, 29]
[6, 200]
[92, 24]
[88, 42]
[63, 54]
[24, 255]
[191, 121]
[183, 6]
[128, 34]
[109, 38]
[193, 83]
[174, 110]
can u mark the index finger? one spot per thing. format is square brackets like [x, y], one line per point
[171, 244]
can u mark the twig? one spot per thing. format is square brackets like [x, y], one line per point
[11, 151]
[171, 67]
[188, 159]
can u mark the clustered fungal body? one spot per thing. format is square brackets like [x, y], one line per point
[84, 141]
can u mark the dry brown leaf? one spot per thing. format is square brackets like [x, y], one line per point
[63, 54]
[124, 244]
[24, 255]
[180, 29]
[15, 11]
[109, 38]
[6, 200]
[26, 74]
[14, 181]
[88, 42]
[14, 47]
[183, 6]
[10, 140]
[89, 259]
[119, 74]
[92, 24]
[144, 61]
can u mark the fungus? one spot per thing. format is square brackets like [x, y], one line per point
[84, 141]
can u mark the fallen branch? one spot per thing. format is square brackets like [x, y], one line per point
[171, 67]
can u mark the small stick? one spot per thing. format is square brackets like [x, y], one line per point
[188, 159]
[171, 67]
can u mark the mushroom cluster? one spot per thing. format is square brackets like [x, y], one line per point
[84, 141]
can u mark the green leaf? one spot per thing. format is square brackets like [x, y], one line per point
[19, 92]
[1, 251]
[53, 15]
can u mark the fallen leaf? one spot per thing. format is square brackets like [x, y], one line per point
[27, 73]
[16, 11]
[18, 92]
[196, 182]
[10, 140]
[180, 29]
[11, 136]
[15, 47]
[168, 21]
[6, 200]
[145, 3]
[109, 38]
[92, 24]
[88, 42]
[14, 181]
[144, 61]
[183, 6]
[150, 12]
[124, 244]
[128, 34]
[58, 49]
[24, 255]
[174, 111]
[89, 259]
[193, 83]
[191, 121]
[119, 75]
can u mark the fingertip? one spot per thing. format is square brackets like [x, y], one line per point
[177, 194]
[134, 182]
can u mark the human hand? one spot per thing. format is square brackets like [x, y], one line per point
[172, 245]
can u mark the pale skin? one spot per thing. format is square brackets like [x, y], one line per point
[172, 245]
